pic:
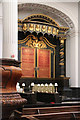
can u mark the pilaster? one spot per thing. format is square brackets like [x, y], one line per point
[10, 39]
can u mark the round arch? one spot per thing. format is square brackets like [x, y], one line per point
[49, 11]
[63, 20]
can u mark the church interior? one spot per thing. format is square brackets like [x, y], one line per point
[39, 60]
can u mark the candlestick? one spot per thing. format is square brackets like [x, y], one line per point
[56, 85]
[23, 85]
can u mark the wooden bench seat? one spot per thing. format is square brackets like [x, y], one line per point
[42, 110]
[54, 116]
[49, 113]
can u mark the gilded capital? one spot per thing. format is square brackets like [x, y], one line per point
[62, 39]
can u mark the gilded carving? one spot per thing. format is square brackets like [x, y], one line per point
[29, 43]
[61, 63]
[62, 76]
[61, 53]
[44, 28]
[31, 27]
[54, 31]
[62, 41]
[49, 29]
[32, 37]
[57, 31]
[37, 27]
[25, 27]
[62, 49]
[35, 43]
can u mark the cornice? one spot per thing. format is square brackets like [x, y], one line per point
[60, 15]
[73, 33]
[47, 1]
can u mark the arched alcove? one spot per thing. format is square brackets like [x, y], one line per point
[64, 21]
[34, 8]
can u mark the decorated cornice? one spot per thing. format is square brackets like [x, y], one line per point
[60, 15]
[46, 19]
[48, 25]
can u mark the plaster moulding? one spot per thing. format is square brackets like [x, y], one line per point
[39, 1]
[72, 33]
[63, 18]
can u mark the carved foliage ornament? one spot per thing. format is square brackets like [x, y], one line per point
[35, 43]
[32, 41]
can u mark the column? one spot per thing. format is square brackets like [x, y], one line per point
[61, 62]
[1, 30]
[10, 38]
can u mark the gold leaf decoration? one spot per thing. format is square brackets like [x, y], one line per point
[24, 27]
[31, 27]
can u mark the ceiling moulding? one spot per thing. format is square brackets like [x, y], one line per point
[48, 9]
[40, 1]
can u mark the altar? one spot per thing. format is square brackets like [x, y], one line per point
[41, 50]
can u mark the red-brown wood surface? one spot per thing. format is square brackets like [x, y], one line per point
[44, 63]
[28, 62]
[10, 74]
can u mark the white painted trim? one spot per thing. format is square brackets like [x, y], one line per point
[39, 1]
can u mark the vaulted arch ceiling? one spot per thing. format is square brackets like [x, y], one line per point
[62, 19]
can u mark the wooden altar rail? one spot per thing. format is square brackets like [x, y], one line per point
[49, 113]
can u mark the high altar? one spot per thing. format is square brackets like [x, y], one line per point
[41, 50]
[41, 47]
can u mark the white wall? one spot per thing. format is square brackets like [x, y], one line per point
[73, 57]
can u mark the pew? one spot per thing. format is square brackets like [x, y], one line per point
[49, 113]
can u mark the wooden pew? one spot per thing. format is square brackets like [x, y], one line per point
[49, 113]
[54, 116]
[42, 110]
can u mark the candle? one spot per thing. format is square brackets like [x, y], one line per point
[32, 84]
[23, 84]
[55, 84]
